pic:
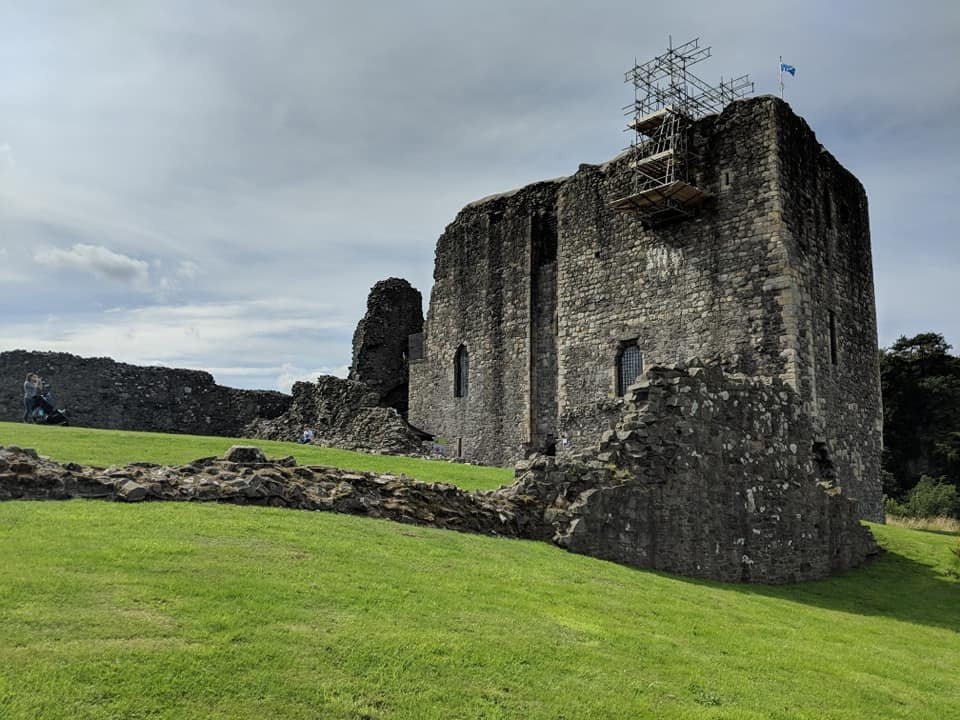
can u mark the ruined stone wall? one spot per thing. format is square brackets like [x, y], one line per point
[102, 393]
[703, 287]
[708, 476]
[246, 477]
[343, 413]
[394, 313]
[831, 308]
[481, 300]
[705, 475]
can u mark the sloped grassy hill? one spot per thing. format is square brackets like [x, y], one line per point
[209, 611]
[89, 446]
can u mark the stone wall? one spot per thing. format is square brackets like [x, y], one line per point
[705, 475]
[481, 300]
[708, 476]
[830, 307]
[754, 280]
[695, 288]
[102, 393]
[394, 313]
[343, 413]
[245, 477]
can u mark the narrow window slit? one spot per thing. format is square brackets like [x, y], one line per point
[833, 337]
[461, 372]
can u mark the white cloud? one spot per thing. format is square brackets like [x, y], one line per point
[95, 259]
[188, 270]
[9, 274]
[238, 342]
[152, 157]
[6, 157]
[289, 375]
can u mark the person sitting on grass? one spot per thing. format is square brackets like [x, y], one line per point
[31, 395]
[307, 436]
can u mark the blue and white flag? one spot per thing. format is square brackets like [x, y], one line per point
[788, 68]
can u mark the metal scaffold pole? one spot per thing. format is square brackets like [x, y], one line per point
[668, 97]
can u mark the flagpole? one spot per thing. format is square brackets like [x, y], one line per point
[781, 77]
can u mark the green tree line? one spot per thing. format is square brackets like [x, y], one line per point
[921, 426]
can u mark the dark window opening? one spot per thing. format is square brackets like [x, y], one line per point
[459, 447]
[823, 461]
[629, 367]
[544, 238]
[844, 214]
[461, 372]
[726, 178]
[550, 448]
[833, 337]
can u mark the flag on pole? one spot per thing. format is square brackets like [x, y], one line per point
[784, 68]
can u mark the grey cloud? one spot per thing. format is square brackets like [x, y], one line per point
[304, 149]
[96, 259]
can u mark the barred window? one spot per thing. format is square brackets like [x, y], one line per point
[461, 372]
[629, 366]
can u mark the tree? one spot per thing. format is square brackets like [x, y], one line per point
[921, 408]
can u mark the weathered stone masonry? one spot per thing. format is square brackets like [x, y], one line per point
[394, 313]
[708, 476]
[101, 393]
[481, 300]
[772, 277]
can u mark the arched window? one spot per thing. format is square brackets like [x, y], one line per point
[461, 372]
[629, 366]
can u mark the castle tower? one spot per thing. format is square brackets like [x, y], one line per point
[561, 292]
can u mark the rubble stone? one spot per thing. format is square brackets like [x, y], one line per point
[345, 414]
[725, 480]
[24, 476]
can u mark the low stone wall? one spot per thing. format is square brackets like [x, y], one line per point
[709, 476]
[344, 414]
[102, 393]
[706, 475]
[245, 477]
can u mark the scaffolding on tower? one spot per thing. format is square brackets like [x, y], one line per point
[668, 98]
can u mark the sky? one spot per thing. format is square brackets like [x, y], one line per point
[217, 185]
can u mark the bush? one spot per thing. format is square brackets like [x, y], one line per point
[892, 507]
[954, 569]
[930, 498]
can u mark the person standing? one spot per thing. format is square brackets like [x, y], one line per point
[31, 394]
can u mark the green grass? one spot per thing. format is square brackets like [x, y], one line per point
[213, 611]
[171, 611]
[117, 447]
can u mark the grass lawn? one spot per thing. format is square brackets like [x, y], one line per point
[163, 610]
[117, 447]
[215, 611]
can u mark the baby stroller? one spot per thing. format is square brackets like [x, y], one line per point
[45, 413]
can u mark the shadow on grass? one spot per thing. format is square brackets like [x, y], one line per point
[932, 531]
[892, 585]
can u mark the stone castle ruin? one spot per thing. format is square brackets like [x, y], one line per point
[726, 232]
[678, 349]
[363, 412]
